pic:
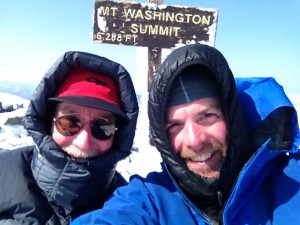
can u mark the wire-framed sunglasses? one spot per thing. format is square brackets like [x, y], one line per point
[101, 128]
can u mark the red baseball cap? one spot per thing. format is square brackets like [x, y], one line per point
[86, 88]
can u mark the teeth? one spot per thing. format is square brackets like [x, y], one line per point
[201, 158]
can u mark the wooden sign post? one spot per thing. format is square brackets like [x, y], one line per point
[152, 25]
[154, 54]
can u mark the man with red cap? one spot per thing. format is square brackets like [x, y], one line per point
[82, 118]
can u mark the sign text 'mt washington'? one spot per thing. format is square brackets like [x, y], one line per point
[151, 25]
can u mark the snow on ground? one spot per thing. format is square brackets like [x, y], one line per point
[13, 136]
[147, 158]
[10, 99]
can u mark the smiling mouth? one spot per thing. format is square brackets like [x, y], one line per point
[206, 164]
[201, 158]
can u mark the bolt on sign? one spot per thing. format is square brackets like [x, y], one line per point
[152, 25]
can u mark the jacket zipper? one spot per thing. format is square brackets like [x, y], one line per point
[233, 186]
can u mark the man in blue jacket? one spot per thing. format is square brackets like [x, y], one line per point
[229, 149]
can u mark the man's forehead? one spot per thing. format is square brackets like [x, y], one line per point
[202, 104]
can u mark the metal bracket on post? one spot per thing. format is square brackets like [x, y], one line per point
[154, 60]
[154, 55]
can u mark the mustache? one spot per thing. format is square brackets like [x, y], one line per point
[77, 153]
[204, 151]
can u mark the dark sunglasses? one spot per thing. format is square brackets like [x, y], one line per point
[101, 128]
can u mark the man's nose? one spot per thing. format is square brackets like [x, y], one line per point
[195, 135]
[83, 138]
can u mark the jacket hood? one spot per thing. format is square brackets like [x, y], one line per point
[238, 144]
[49, 156]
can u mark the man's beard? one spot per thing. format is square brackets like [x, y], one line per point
[212, 150]
[77, 154]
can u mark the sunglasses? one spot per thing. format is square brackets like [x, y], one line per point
[101, 128]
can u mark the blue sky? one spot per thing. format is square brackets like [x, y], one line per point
[258, 37]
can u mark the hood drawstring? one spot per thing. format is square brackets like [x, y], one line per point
[220, 198]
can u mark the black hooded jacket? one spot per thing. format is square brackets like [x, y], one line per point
[207, 194]
[40, 184]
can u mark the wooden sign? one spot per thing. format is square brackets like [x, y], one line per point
[152, 25]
